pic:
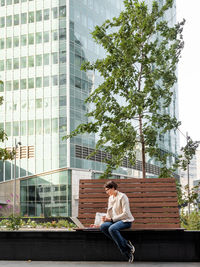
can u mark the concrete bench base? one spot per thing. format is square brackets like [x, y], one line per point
[151, 245]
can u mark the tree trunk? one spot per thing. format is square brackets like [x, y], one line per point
[143, 149]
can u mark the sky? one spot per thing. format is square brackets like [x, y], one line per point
[189, 70]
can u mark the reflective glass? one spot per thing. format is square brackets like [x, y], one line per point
[1, 43]
[8, 42]
[39, 60]
[1, 65]
[46, 14]
[30, 83]
[31, 17]
[46, 37]
[16, 19]
[46, 59]
[16, 63]
[38, 82]
[9, 64]
[23, 18]
[16, 41]
[8, 86]
[31, 61]
[23, 62]
[39, 15]
[15, 85]
[31, 39]
[2, 22]
[23, 84]
[23, 40]
[38, 37]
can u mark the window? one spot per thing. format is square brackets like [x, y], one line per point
[38, 60]
[23, 1]
[23, 128]
[15, 85]
[46, 59]
[31, 17]
[15, 128]
[46, 126]
[23, 84]
[1, 86]
[46, 14]
[62, 56]
[23, 40]
[46, 37]
[8, 42]
[77, 82]
[55, 58]
[16, 63]
[55, 12]
[2, 3]
[31, 39]
[1, 65]
[39, 15]
[8, 21]
[55, 80]
[30, 127]
[38, 125]
[62, 34]
[31, 61]
[16, 1]
[23, 62]
[62, 11]
[38, 103]
[62, 101]
[16, 41]
[62, 79]
[9, 64]
[9, 2]
[23, 18]
[8, 86]
[30, 83]
[38, 37]
[16, 19]
[46, 81]
[8, 128]
[2, 22]
[38, 82]
[1, 43]
[55, 35]
[54, 125]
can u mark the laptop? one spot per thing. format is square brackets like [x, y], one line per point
[80, 226]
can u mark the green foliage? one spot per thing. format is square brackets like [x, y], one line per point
[186, 196]
[140, 70]
[14, 222]
[190, 221]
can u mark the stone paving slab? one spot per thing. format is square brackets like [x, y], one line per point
[95, 263]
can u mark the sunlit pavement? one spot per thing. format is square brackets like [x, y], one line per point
[95, 264]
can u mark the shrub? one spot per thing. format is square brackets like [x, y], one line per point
[190, 221]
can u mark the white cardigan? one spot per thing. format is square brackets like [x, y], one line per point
[118, 208]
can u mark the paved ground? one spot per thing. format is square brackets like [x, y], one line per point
[94, 264]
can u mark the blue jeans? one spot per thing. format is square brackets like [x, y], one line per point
[112, 230]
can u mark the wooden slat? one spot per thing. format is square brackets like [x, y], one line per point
[129, 180]
[130, 195]
[131, 190]
[135, 200]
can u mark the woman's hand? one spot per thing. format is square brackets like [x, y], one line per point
[104, 219]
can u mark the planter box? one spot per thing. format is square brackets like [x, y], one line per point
[61, 245]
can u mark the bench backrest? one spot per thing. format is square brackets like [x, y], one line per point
[153, 201]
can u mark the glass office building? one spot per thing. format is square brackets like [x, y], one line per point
[42, 46]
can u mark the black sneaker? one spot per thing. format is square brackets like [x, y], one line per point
[131, 258]
[131, 247]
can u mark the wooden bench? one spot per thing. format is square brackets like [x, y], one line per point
[153, 202]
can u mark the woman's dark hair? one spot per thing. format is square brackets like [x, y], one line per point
[110, 184]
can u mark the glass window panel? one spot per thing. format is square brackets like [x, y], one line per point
[2, 3]
[23, 84]
[23, 1]
[38, 37]
[2, 22]
[23, 18]
[62, 124]
[23, 40]
[9, 64]
[46, 37]
[2, 43]
[62, 79]
[16, 63]
[16, 1]
[55, 58]
[30, 83]
[38, 82]
[62, 34]
[62, 101]
[46, 59]
[16, 41]
[8, 86]
[31, 127]
[55, 80]
[39, 15]
[62, 11]
[55, 35]
[23, 62]
[1, 87]
[15, 128]
[31, 38]
[8, 42]
[38, 125]
[47, 126]
[46, 14]
[38, 103]
[55, 12]
[8, 128]
[31, 61]
[62, 56]
[9, 2]
[23, 128]
[31, 17]
[46, 81]
[8, 21]
[39, 60]
[55, 125]
[16, 19]
[15, 85]
[1, 65]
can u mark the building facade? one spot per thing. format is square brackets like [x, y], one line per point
[42, 46]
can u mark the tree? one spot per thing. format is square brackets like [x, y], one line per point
[139, 72]
[4, 154]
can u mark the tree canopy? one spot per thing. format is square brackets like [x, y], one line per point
[130, 106]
